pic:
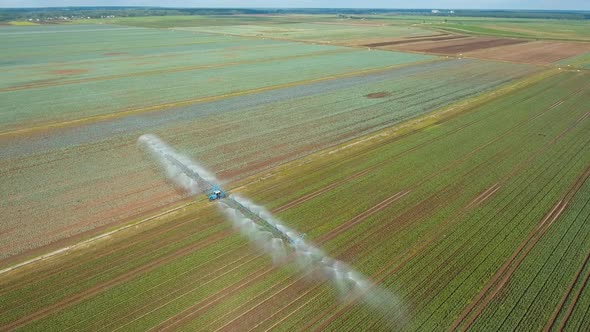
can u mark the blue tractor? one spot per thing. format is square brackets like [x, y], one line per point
[216, 193]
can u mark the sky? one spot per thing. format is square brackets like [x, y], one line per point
[439, 4]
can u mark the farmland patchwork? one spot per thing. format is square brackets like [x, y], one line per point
[456, 181]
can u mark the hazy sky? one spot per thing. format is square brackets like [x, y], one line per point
[453, 4]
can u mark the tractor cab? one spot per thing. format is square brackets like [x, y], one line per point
[216, 193]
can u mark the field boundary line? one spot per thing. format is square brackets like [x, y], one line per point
[508, 35]
[187, 102]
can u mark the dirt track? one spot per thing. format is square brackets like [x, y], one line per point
[566, 295]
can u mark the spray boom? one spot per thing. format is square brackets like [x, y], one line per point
[255, 222]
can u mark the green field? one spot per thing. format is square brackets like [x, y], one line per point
[110, 74]
[215, 106]
[458, 187]
[326, 32]
[581, 61]
[503, 27]
[435, 248]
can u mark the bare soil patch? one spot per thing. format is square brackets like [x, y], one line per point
[376, 95]
[415, 40]
[540, 52]
[457, 45]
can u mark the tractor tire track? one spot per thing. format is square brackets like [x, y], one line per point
[361, 217]
[378, 281]
[249, 305]
[574, 303]
[555, 270]
[517, 169]
[191, 312]
[499, 280]
[296, 310]
[242, 261]
[498, 211]
[277, 312]
[385, 203]
[566, 295]
[481, 229]
[435, 174]
[417, 212]
[203, 277]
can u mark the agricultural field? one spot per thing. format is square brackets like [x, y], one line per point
[320, 32]
[307, 116]
[581, 61]
[446, 165]
[96, 71]
[495, 191]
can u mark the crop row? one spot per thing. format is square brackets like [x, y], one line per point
[471, 238]
[435, 285]
[99, 176]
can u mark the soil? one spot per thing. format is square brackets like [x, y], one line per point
[462, 47]
[376, 95]
[414, 40]
[451, 46]
[541, 52]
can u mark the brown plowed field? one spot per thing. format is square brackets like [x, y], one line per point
[409, 40]
[541, 52]
[456, 45]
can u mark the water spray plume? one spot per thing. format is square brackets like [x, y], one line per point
[267, 233]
